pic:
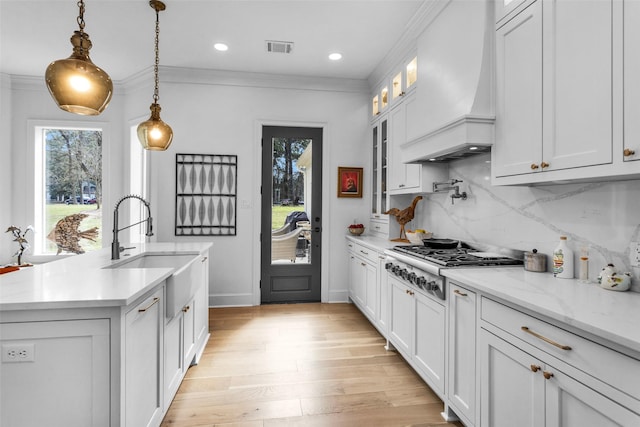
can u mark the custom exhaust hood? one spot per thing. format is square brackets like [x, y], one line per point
[453, 114]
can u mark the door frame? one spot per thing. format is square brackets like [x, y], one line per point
[257, 197]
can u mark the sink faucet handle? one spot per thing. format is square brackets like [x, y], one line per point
[122, 248]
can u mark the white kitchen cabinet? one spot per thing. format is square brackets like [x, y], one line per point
[379, 175]
[631, 149]
[62, 379]
[186, 333]
[520, 389]
[409, 178]
[533, 373]
[417, 329]
[143, 362]
[461, 383]
[363, 279]
[382, 317]
[558, 68]
[429, 340]
[402, 321]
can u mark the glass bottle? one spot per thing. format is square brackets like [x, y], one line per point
[563, 260]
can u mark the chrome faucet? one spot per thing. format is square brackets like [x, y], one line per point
[115, 244]
[450, 185]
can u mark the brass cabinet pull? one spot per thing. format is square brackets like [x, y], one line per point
[155, 300]
[205, 258]
[545, 339]
[547, 375]
[535, 368]
[534, 166]
[628, 152]
[363, 264]
[186, 308]
[364, 252]
[457, 292]
[544, 165]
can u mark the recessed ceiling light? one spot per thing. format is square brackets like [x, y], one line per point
[221, 47]
[335, 56]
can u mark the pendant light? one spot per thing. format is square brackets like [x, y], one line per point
[154, 134]
[77, 84]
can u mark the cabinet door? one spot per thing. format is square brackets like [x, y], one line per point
[570, 403]
[357, 290]
[511, 393]
[429, 348]
[201, 307]
[577, 78]
[462, 351]
[189, 334]
[383, 297]
[143, 362]
[370, 276]
[401, 326]
[518, 126]
[403, 177]
[173, 360]
[631, 81]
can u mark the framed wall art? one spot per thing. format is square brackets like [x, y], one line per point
[206, 194]
[349, 182]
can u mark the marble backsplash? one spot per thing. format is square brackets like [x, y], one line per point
[600, 218]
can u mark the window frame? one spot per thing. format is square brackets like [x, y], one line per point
[34, 209]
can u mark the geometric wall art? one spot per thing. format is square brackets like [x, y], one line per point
[206, 194]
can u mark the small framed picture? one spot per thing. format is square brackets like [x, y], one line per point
[349, 182]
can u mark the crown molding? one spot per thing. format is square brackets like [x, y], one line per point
[181, 75]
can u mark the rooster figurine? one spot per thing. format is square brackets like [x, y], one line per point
[403, 217]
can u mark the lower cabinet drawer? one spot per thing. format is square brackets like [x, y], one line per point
[365, 253]
[611, 367]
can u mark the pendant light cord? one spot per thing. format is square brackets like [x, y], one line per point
[155, 67]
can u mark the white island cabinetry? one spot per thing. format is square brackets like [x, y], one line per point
[101, 351]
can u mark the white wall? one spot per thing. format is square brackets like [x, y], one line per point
[6, 244]
[602, 217]
[212, 113]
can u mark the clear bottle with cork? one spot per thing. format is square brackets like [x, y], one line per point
[563, 260]
[583, 270]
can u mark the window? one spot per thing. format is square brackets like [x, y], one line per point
[68, 190]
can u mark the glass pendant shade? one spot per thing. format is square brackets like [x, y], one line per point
[154, 134]
[77, 84]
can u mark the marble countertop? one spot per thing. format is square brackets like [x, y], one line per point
[614, 316]
[87, 281]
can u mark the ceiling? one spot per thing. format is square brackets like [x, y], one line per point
[34, 33]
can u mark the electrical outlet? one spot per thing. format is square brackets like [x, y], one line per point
[12, 353]
[634, 254]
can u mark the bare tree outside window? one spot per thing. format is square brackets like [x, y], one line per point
[73, 190]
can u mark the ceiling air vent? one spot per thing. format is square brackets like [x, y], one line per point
[274, 46]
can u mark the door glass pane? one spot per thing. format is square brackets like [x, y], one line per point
[291, 201]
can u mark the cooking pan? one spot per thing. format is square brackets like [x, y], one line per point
[441, 243]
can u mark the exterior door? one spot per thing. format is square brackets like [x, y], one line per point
[291, 224]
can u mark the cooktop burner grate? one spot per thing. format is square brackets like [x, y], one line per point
[457, 257]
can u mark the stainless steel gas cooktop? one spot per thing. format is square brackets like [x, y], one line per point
[457, 257]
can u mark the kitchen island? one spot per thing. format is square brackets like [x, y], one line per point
[91, 341]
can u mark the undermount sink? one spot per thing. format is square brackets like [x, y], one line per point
[155, 261]
[180, 286]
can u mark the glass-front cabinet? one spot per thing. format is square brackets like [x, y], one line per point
[380, 196]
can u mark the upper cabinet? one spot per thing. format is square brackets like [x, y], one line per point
[631, 148]
[380, 196]
[404, 79]
[407, 178]
[559, 75]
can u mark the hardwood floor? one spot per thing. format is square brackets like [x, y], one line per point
[300, 365]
